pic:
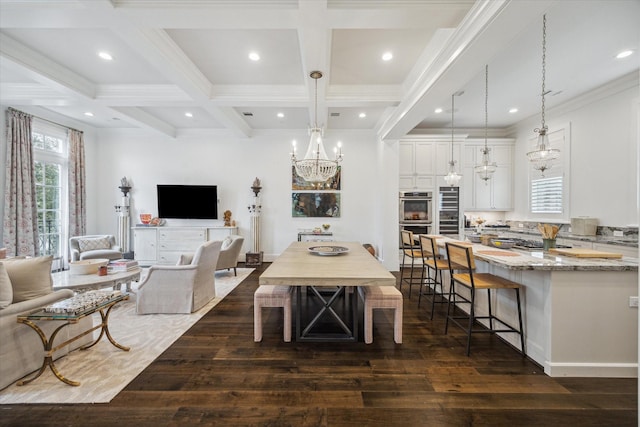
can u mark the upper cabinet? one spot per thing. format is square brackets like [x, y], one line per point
[496, 193]
[422, 159]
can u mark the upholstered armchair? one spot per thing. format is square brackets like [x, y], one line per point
[94, 246]
[229, 253]
[182, 288]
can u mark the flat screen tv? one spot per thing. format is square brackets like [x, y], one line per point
[188, 201]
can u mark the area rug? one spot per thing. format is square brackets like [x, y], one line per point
[104, 370]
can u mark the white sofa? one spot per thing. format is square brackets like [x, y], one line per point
[25, 286]
[94, 246]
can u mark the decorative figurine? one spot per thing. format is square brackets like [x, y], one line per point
[227, 218]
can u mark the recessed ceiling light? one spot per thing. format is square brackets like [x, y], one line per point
[624, 54]
[387, 56]
[438, 110]
[254, 56]
[362, 115]
[105, 55]
[280, 115]
[188, 114]
[513, 110]
[88, 114]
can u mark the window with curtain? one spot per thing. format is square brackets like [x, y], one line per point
[50, 149]
[548, 194]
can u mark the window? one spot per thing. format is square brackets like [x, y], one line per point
[50, 163]
[547, 194]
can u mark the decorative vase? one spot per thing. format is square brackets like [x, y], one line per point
[145, 218]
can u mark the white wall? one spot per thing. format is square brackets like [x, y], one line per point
[232, 163]
[604, 151]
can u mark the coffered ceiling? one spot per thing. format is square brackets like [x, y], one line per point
[172, 57]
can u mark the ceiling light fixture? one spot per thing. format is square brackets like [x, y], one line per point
[543, 154]
[88, 114]
[188, 114]
[387, 56]
[438, 110]
[254, 56]
[280, 115]
[624, 54]
[316, 166]
[452, 178]
[486, 168]
[362, 115]
[513, 110]
[105, 55]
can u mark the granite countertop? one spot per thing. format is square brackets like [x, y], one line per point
[628, 241]
[515, 259]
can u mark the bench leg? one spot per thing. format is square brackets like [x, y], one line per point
[287, 321]
[257, 322]
[368, 324]
[397, 324]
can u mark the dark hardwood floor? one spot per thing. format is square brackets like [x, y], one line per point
[216, 375]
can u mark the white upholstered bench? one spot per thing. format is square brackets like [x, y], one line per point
[271, 296]
[381, 297]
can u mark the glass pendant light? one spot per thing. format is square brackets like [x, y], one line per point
[543, 155]
[486, 168]
[452, 178]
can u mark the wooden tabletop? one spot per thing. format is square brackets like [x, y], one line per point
[299, 267]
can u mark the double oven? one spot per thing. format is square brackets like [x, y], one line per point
[416, 212]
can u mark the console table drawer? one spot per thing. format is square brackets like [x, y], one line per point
[179, 245]
[180, 235]
[170, 257]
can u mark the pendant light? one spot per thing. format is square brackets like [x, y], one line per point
[543, 155]
[316, 167]
[486, 168]
[452, 178]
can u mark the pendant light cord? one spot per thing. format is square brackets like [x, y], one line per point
[544, 62]
[486, 103]
[452, 109]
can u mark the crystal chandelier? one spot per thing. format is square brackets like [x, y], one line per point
[452, 178]
[543, 155]
[486, 168]
[316, 166]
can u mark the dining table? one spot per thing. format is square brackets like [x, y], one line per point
[328, 273]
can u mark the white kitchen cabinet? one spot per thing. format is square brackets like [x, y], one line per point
[417, 161]
[495, 194]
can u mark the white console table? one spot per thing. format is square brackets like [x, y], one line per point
[163, 245]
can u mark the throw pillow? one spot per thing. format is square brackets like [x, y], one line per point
[30, 277]
[6, 291]
[94, 243]
[226, 242]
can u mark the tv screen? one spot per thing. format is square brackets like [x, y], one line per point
[188, 201]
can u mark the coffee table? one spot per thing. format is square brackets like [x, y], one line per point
[82, 282]
[104, 308]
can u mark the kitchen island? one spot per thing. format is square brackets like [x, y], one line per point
[577, 314]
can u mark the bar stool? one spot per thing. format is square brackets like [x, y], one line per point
[433, 262]
[410, 250]
[271, 296]
[461, 256]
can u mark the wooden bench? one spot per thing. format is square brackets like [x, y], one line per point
[271, 296]
[381, 297]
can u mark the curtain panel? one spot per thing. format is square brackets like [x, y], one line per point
[20, 222]
[77, 183]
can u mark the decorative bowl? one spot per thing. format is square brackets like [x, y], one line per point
[145, 218]
[474, 238]
[503, 243]
[87, 266]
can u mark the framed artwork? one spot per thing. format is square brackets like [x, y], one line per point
[298, 183]
[315, 205]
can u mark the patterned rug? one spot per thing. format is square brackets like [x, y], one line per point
[104, 370]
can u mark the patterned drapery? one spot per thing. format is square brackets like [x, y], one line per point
[77, 191]
[20, 222]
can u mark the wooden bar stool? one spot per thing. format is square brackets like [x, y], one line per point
[410, 250]
[436, 264]
[461, 256]
[271, 296]
[381, 297]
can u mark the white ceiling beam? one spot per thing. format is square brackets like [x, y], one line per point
[231, 119]
[146, 120]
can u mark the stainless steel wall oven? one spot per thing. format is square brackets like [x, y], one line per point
[416, 212]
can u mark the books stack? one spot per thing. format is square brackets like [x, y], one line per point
[121, 265]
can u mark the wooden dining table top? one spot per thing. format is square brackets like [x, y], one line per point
[298, 266]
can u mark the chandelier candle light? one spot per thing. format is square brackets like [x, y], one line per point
[452, 178]
[486, 168]
[316, 166]
[543, 155]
